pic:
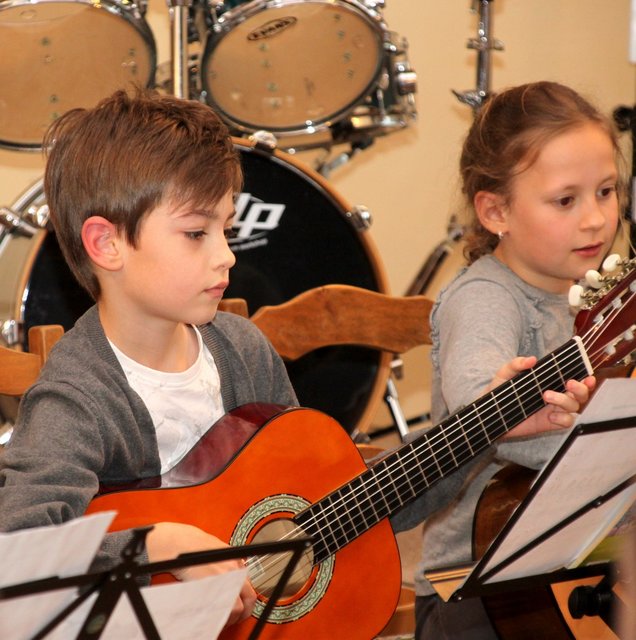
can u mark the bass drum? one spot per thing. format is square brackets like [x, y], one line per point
[293, 233]
[62, 54]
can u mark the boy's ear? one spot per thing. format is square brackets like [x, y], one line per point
[101, 241]
[491, 211]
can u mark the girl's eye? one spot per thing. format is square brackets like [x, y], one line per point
[195, 235]
[606, 192]
[230, 233]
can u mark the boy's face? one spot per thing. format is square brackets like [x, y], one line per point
[180, 267]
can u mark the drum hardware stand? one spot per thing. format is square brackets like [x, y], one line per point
[483, 44]
[325, 167]
[179, 10]
[625, 120]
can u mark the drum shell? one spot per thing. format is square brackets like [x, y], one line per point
[315, 243]
[291, 87]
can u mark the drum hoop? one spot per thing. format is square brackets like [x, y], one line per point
[221, 29]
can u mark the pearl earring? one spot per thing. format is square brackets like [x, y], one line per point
[501, 234]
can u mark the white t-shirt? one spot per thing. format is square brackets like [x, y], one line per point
[183, 405]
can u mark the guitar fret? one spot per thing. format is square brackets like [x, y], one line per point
[514, 389]
[430, 447]
[461, 428]
[421, 473]
[443, 432]
[558, 370]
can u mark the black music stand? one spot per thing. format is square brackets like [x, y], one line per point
[574, 503]
[110, 585]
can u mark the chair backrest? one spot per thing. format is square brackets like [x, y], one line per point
[19, 369]
[339, 314]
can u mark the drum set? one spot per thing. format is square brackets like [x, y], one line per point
[285, 75]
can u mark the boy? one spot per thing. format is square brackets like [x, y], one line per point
[140, 191]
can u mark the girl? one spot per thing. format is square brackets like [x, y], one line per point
[540, 172]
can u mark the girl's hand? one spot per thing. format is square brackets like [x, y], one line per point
[560, 409]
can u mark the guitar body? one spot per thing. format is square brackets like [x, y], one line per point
[527, 614]
[277, 459]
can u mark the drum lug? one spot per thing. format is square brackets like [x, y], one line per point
[10, 332]
[375, 5]
[360, 216]
[15, 223]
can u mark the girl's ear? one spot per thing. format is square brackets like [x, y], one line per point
[101, 241]
[491, 211]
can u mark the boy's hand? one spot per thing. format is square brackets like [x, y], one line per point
[561, 407]
[169, 539]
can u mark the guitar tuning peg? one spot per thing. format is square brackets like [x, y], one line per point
[575, 295]
[611, 262]
[594, 279]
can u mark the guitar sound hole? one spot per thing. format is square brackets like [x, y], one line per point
[266, 571]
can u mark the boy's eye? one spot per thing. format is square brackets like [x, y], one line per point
[230, 233]
[195, 235]
[564, 201]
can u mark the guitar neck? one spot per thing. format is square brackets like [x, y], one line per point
[399, 478]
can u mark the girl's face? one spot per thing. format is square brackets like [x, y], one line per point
[562, 215]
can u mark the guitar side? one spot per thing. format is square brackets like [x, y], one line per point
[296, 456]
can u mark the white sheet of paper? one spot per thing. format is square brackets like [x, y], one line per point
[595, 463]
[180, 610]
[32, 554]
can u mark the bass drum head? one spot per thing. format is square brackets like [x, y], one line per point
[291, 66]
[62, 54]
[293, 233]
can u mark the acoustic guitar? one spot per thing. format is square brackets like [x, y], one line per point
[265, 472]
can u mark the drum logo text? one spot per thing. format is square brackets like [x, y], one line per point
[271, 28]
[254, 218]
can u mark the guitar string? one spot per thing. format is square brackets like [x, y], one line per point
[299, 531]
[324, 515]
[502, 409]
[405, 482]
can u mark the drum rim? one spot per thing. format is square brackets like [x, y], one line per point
[132, 13]
[254, 7]
[35, 193]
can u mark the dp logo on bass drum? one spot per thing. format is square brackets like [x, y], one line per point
[254, 219]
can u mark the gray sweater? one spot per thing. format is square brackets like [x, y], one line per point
[483, 319]
[81, 424]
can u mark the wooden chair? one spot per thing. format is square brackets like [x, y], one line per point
[336, 315]
[19, 369]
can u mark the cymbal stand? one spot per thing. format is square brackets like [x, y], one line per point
[483, 44]
[178, 10]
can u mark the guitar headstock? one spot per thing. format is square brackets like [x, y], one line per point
[607, 320]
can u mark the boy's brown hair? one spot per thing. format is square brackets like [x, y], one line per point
[124, 157]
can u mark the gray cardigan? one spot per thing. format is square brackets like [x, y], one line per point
[81, 424]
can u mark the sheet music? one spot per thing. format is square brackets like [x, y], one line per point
[180, 610]
[31, 554]
[593, 465]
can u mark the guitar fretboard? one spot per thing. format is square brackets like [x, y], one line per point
[399, 478]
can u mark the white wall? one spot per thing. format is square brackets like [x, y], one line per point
[408, 179]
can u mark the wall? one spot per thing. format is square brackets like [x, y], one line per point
[408, 179]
